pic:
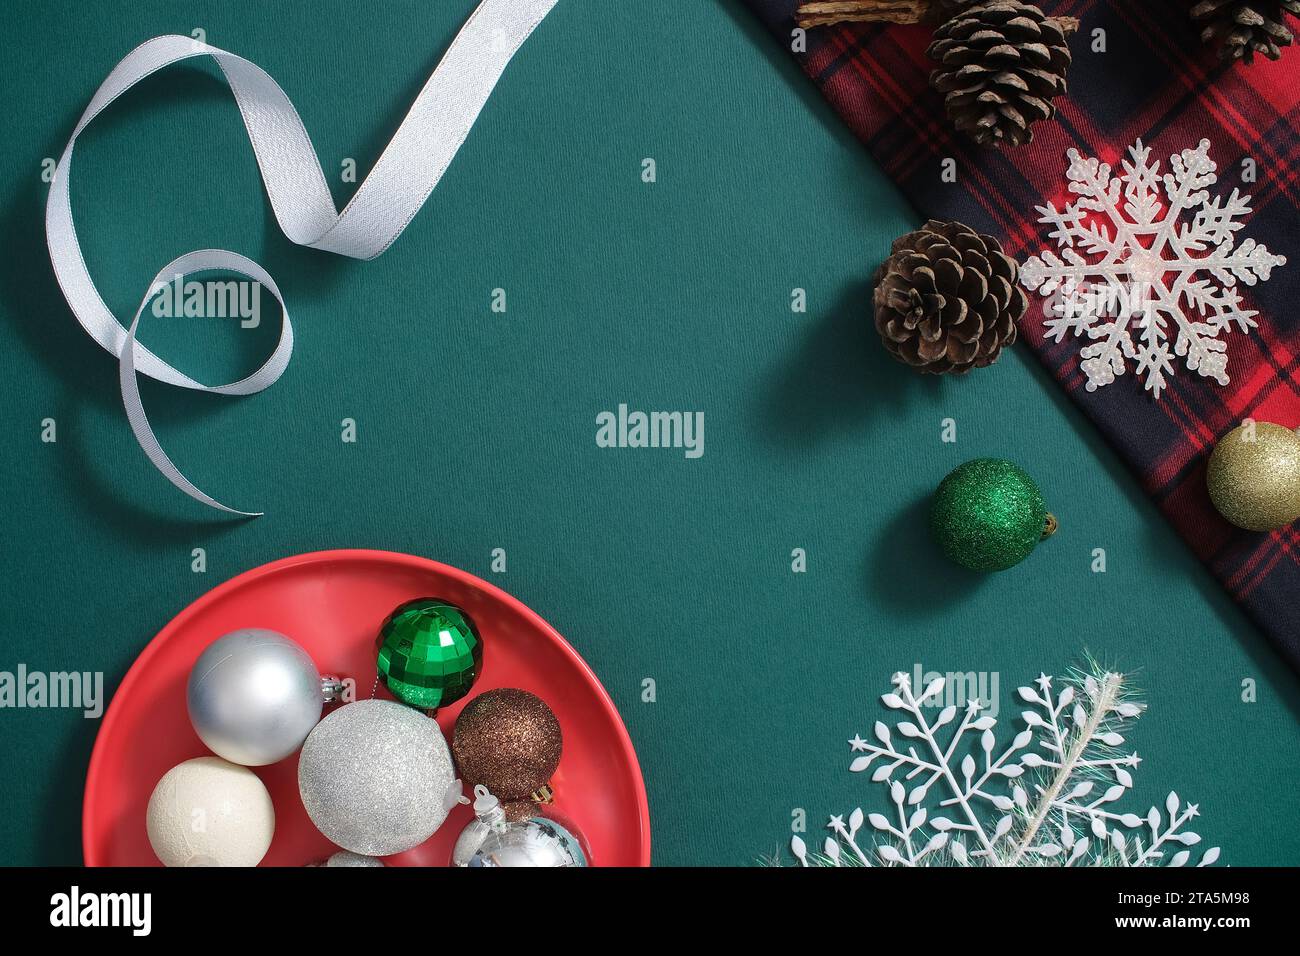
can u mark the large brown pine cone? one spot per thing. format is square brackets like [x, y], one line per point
[940, 11]
[1000, 64]
[947, 299]
[1246, 27]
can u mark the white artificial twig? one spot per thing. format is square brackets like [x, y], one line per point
[1073, 746]
[1109, 688]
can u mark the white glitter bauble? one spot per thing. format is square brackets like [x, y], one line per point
[376, 777]
[210, 812]
[348, 858]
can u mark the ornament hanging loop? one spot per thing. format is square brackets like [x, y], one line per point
[1050, 526]
[487, 807]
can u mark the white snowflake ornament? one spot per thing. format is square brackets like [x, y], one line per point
[1136, 278]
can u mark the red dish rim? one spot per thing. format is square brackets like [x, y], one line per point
[364, 554]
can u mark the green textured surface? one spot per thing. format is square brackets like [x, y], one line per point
[476, 430]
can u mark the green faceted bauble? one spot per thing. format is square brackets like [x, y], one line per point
[430, 653]
[988, 515]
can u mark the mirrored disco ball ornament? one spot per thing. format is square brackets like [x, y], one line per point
[489, 816]
[376, 777]
[430, 653]
[537, 841]
[493, 816]
[254, 695]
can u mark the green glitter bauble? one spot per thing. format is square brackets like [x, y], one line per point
[988, 515]
[430, 653]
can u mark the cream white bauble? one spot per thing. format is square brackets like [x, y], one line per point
[210, 812]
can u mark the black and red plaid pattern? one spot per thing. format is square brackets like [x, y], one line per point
[1154, 81]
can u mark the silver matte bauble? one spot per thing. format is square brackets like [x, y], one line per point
[254, 696]
[532, 842]
[376, 777]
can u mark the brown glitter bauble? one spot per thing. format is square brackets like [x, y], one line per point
[509, 741]
[516, 810]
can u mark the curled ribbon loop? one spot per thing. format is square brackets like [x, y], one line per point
[406, 173]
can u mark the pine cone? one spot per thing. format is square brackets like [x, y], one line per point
[940, 11]
[1000, 64]
[1246, 27]
[947, 299]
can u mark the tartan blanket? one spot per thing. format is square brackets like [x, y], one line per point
[1157, 82]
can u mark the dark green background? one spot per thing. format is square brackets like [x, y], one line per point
[476, 430]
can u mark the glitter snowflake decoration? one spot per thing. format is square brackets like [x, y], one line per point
[1138, 280]
[1049, 797]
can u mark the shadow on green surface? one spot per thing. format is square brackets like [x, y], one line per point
[99, 495]
[41, 321]
[839, 379]
[908, 575]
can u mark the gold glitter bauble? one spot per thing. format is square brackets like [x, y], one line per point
[509, 741]
[1254, 476]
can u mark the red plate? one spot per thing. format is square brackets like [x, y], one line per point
[332, 603]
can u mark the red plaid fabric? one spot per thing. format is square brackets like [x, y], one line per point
[1155, 81]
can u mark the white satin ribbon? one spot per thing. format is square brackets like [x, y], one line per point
[409, 168]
